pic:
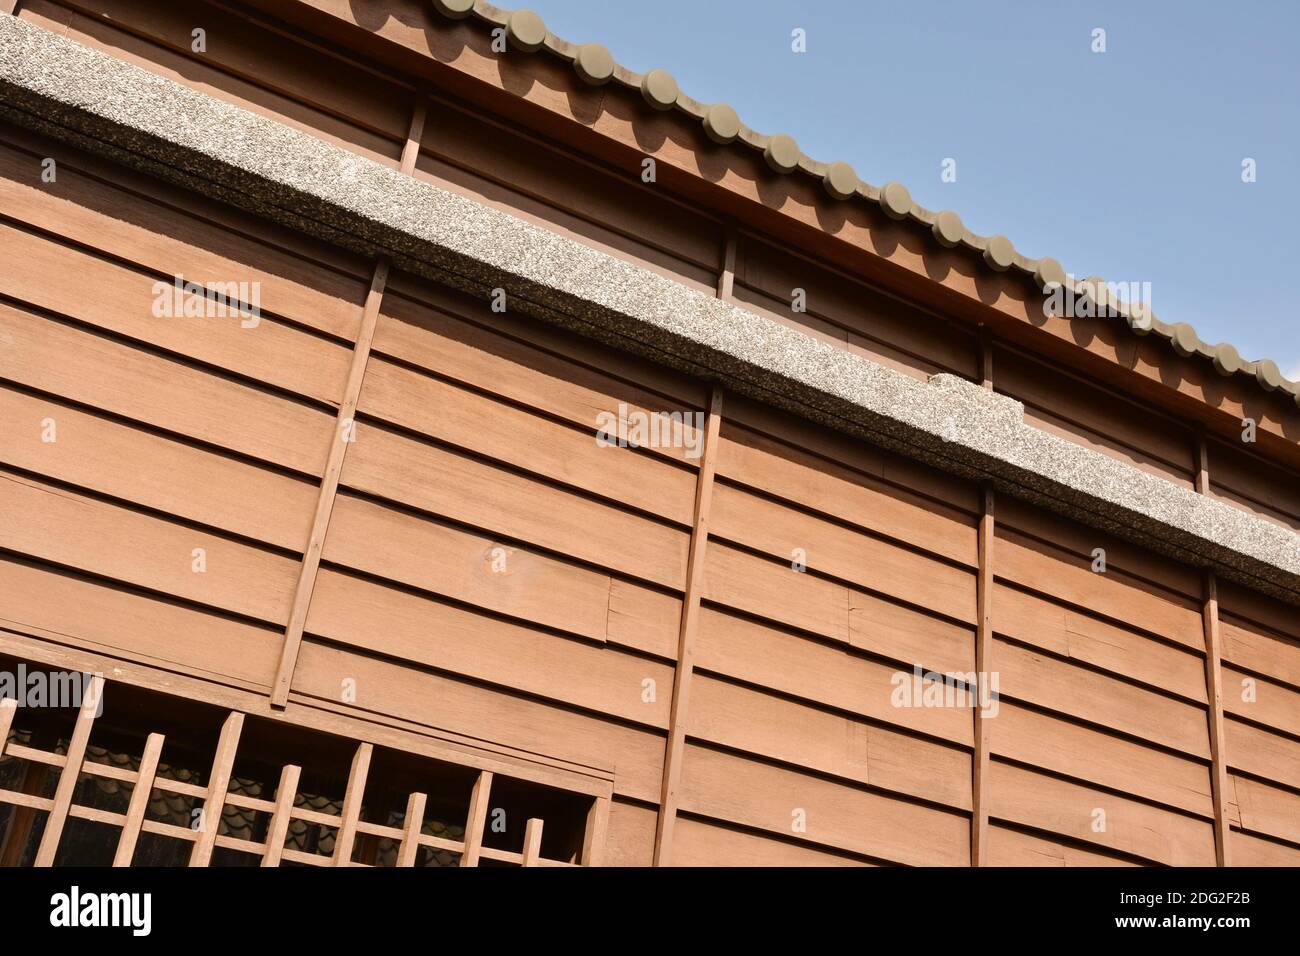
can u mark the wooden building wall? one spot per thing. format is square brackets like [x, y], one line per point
[489, 572]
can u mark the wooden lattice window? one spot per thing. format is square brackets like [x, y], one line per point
[80, 789]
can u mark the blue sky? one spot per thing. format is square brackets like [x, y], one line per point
[1125, 164]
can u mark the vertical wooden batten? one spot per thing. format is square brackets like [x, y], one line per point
[223, 763]
[597, 831]
[1214, 698]
[339, 441]
[478, 808]
[139, 801]
[342, 435]
[532, 842]
[1202, 464]
[1213, 677]
[412, 823]
[280, 817]
[986, 356]
[58, 815]
[983, 654]
[353, 798]
[979, 829]
[676, 744]
[727, 274]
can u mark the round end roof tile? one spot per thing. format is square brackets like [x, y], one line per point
[948, 228]
[1000, 253]
[594, 63]
[782, 153]
[525, 29]
[895, 200]
[721, 123]
[659, 87]
[840, 180]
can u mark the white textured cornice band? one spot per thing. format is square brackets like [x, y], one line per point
[112, 107]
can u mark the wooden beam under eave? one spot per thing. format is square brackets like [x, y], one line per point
[675, 748]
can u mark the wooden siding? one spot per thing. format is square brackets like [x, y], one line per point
[490, 575]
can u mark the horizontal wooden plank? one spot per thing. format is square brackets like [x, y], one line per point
[939, 343]
[127, 303]
[538, 365]
[1008, 847]
[1263, 754]
[382, 620]
[899, 472]
[699, 843]
[1036, 566]
[128, 381]
[1105, 421]
[444, 483]
[1035, 800]
[644, 619]
[508, 434]
[614, 239]
[50, 523]
[741, 718]
[913, 637]
[1072, 750]
[1247, 850]
[1079, 636]
[776, 308]
[840, 552]
[1260, 650]
[42, 601]
[502, 719]
[1077, 692]
[1262, 701]
[726, 787]
[272, 59]
[775, 591]
[568, 185]
[135, 465]
[1074, 543]
[161, 238]
[819, 673]
[1235, 470]
[467, 567]
[770, 466]
[1266, 809]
